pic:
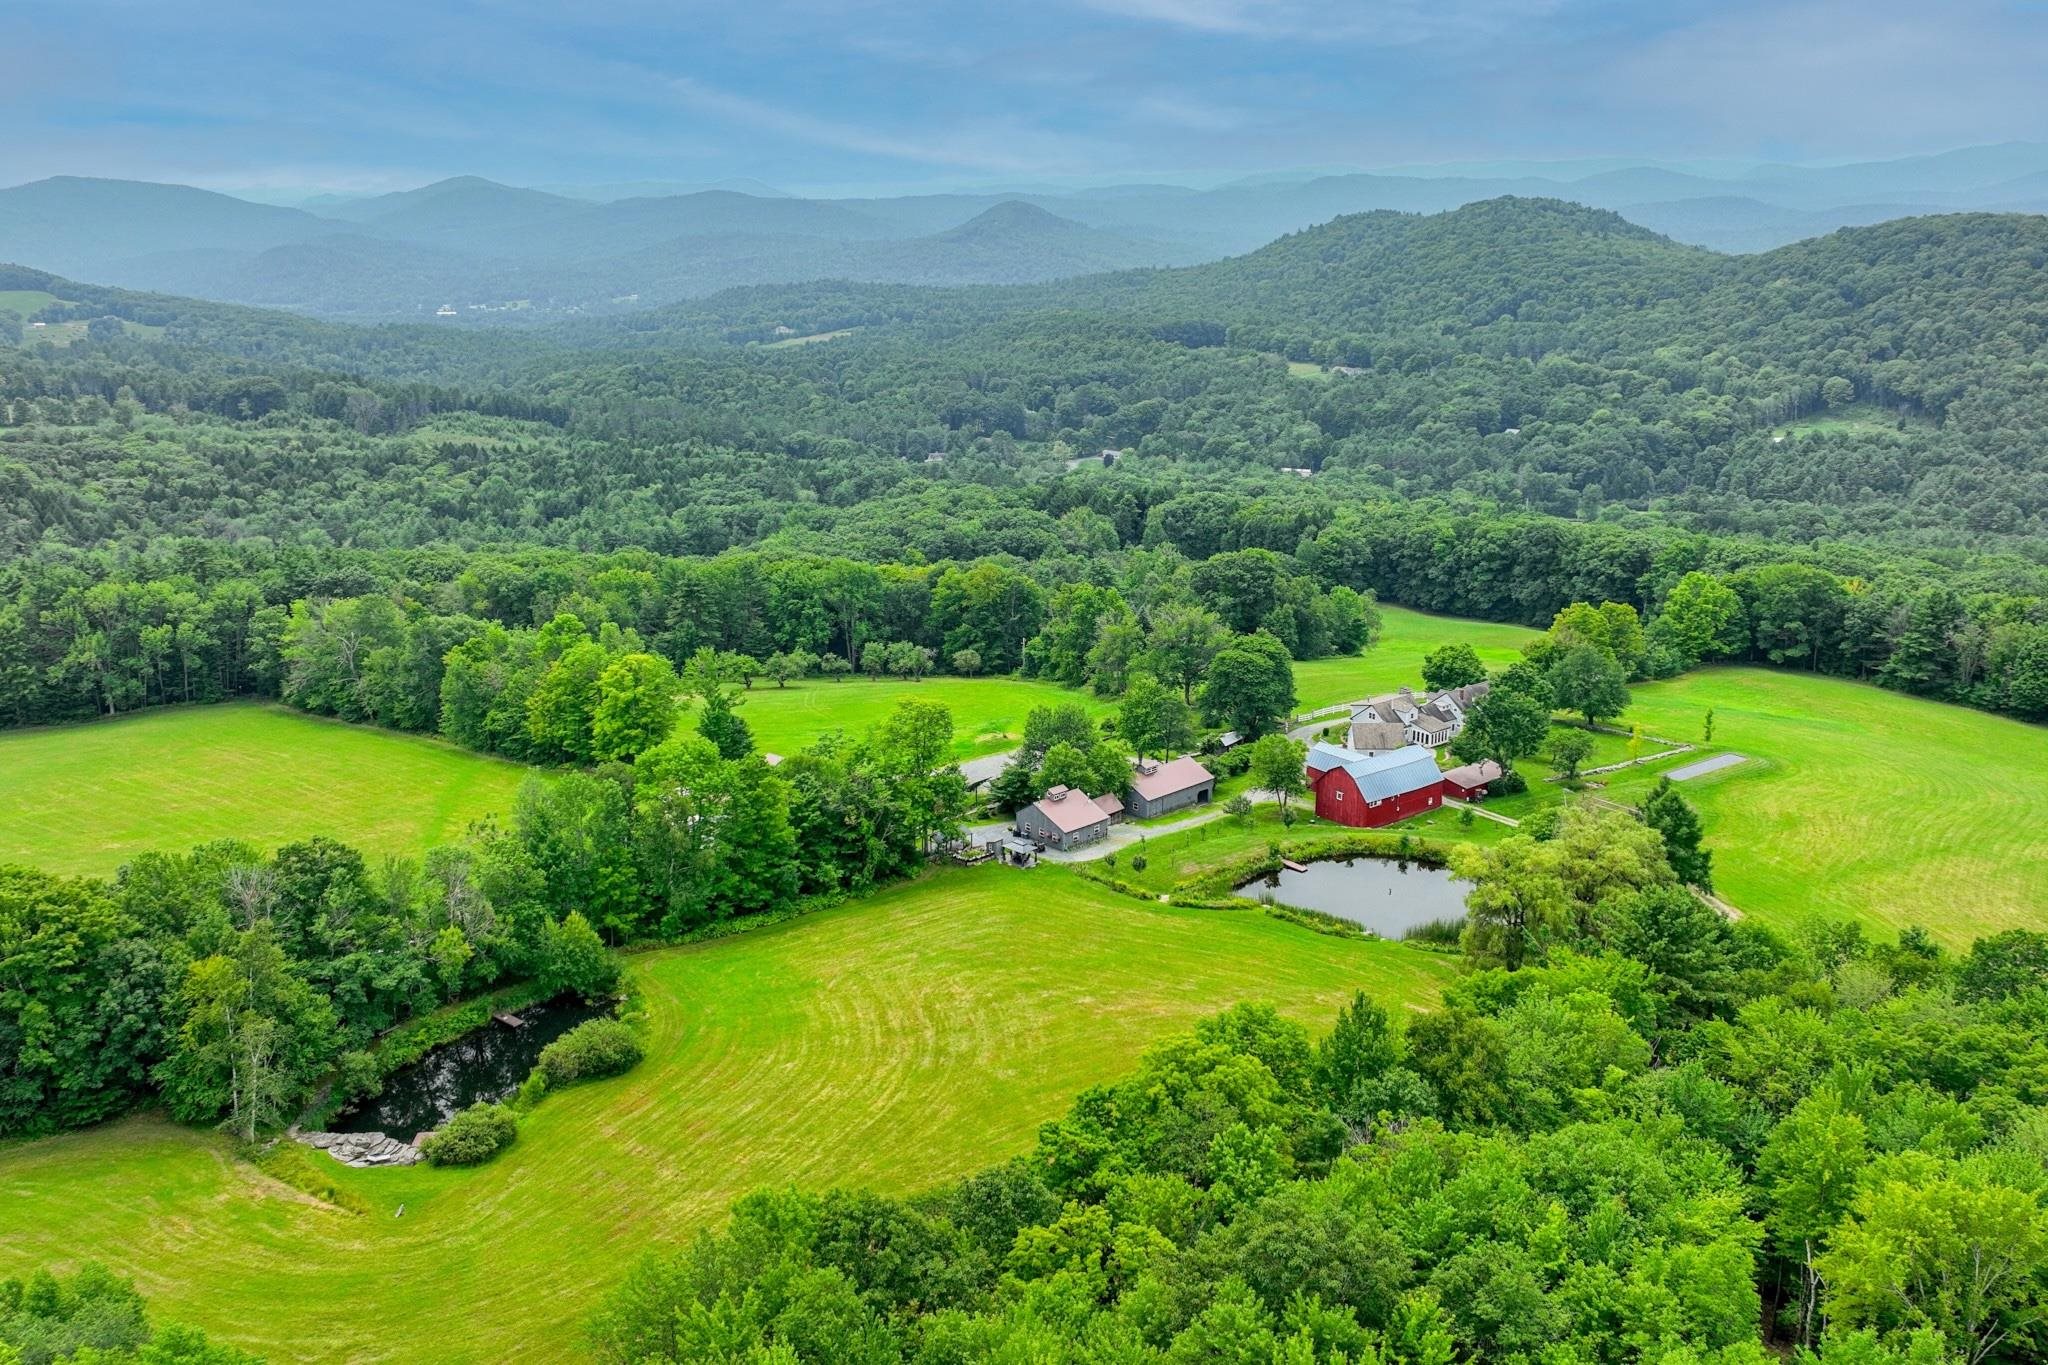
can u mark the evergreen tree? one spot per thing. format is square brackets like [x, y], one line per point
[1673, 817]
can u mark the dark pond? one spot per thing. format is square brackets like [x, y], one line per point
[1385, 896]
[488, 1064]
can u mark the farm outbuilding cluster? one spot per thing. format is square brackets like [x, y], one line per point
[1066, 819]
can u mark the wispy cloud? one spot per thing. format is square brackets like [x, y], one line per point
[1393, 22]
[1011, 147]
[855, 92]
[1825, 69]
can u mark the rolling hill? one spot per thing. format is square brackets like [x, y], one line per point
[472, 241]
[83, 227]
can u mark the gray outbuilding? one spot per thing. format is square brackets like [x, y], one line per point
[1064, 819]
[1158, 788]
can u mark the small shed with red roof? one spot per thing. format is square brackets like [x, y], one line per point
[1470, 782]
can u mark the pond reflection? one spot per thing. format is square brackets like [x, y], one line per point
[488, 1064]
[1388, 897]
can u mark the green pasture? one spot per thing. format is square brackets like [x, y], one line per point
[1858, 802]
[85, 798]
[895, 1043]
[1405, 637]
[26, 302]
[988, 713]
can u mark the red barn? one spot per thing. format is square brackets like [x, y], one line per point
[1353, 789]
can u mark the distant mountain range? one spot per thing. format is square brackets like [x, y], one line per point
[484, 249]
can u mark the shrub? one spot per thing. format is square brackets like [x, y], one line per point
[600, 1047]
[472, 1137]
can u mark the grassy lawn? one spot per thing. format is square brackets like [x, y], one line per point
[893, 1044]
[988, 713]
[1860, 802]
[1405, 637]
[85, 798]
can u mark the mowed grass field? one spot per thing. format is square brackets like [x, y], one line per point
[1859, 802]
[85, 798]
[24, 302]
[913, 1037]
[988, 713]
[1856, 802]
[1405, 638]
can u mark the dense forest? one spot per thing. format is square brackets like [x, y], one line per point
[1662, 1134]
[1877, 385]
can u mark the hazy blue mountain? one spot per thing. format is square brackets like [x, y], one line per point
[664, 189]
[470, 241]
[1966, 168]
[457, 209]
[339, 275]
[359, 275]
[74, 225]
[1735, 223]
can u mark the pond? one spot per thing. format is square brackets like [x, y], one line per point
[488, 1064]
[1388, 897]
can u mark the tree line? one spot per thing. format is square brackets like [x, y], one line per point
[228, 982]
[372, 635]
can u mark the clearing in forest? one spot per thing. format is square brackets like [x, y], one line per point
[85, 798]
[1396, 661]
[988, 713]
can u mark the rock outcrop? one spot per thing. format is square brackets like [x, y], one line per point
[363, 1149]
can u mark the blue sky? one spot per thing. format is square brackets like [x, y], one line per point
[374, 94]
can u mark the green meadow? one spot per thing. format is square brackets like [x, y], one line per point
[988, 713]
[1405, 638]
[1857, 802]
[85, 798]
[895, 1043]
[898, 1041]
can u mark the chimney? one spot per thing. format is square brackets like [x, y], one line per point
[1056, 794]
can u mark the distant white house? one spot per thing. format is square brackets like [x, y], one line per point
[1384, 724]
